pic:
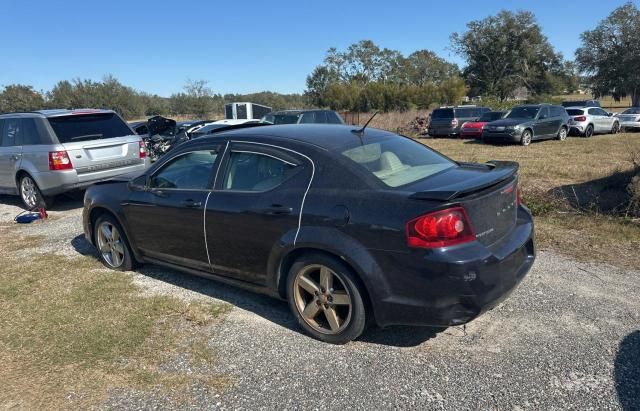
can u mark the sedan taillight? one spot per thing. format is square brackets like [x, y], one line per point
[580, 118]
[440, 229]
[59, 160]
[143, 149]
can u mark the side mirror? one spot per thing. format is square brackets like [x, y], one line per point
[138, 183]
[609, 114]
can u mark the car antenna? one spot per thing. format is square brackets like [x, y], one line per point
[360, 131]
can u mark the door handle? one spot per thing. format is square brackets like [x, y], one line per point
[277, 209]
[191, 204]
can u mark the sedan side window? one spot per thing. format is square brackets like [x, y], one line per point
[190, 171]
[249, 171]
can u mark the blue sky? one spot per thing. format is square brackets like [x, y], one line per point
[241, 46]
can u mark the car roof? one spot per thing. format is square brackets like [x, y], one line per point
[60, 112]
[326, 136]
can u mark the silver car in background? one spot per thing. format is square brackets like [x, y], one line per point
[587, 121]
[630, 118]
[49, 152]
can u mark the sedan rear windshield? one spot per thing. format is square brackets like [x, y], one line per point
[574, 112]
[82, 127]
[397, 161]
[281, 118]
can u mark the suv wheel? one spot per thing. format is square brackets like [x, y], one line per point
[112, 244]
[616, 128]
[562, 134]
[525, 140]
[589, 131]
[31, 195]
[326, 299]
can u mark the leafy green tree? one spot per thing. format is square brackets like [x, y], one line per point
[20, 97]
[504, 52]
[424, 66]
[610, 54]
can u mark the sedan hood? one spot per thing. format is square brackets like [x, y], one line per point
[464, 179]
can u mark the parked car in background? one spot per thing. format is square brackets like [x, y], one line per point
[49, 152]
[587, 121]
[303, 117]
[526, 123]
[245, 111]
[447, 121]
[188, 126]
[630, 119]
[580, 103]
[219, 125]
[473, 129]
[350, 231]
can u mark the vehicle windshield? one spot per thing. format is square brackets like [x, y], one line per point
[491, 116]
[82, 127]
[528, 112]
[575, 112]
[632, 110]
[442, 113]
[397, 161]
[281, 118]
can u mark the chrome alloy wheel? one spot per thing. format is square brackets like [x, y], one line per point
[322, 299]
[29, 192]
[110, 244]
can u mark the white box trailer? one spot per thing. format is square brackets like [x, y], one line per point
[245, 111]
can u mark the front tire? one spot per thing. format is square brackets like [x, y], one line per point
[589, 131]
[526, 137]
[616, 128]
[562, 134]
[113, 246]
[326, 299]
[31, 195]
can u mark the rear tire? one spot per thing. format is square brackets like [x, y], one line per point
[562, 134]
[112, 244]
[31, 195]
[526, 137]
[588, 132]
[326, 299]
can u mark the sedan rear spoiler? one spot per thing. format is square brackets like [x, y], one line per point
[495, 172]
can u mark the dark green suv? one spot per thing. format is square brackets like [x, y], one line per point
[524, 124]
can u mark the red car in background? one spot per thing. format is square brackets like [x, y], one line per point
[473, 129]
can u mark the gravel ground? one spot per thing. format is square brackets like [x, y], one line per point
[567, 338]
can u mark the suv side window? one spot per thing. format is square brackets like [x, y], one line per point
[544, 113]
[189, 171]
[12, 132]
[557, 111]
[594, 112]
[30, 134]
[251, 171]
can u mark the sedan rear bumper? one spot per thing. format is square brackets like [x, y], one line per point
[453, 286]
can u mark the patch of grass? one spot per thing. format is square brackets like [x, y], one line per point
[71, 331]
[553, 174]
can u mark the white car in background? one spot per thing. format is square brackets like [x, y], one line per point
[587, 121]
[630, 118]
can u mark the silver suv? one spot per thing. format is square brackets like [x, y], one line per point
[48, 152]
[587, 121]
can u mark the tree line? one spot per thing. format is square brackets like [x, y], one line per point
[503, 55]
[196, 99]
